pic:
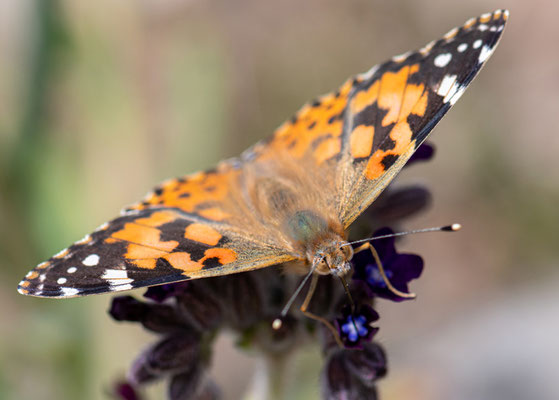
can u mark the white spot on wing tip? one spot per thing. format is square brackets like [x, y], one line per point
[117, 278]
[369, 74]
[118, 288]
[447, 87]
[71, 270]
[69, 292]
[102, 227]
[115, 274]
[477, 44]
[457, 95]
[401, 57]
[442, 60]
[91, 260]
[462, 47]
[485, 53]
[470, 21]
[451, 33]
[482, 27]
[61, 281]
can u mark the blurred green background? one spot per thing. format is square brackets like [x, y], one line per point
[99, 101]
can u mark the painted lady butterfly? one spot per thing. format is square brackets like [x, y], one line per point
[288, 198]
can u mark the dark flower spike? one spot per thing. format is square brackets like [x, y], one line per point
[355, 327]
[367, 365]
[127, 308]
[400, 269]
[163, 292]
[424, 153]
[125, 391]
[339, 382]
[175, 354]
[398, 203]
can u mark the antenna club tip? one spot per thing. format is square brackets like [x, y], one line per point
[451, 228]
[277, 324]
[455, 227]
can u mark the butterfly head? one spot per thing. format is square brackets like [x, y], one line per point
[334, 258]
[323, 240]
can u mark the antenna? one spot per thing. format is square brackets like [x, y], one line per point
[446, 228]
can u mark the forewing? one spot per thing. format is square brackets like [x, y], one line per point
[393, 108]
[185, 229]
[352, 142]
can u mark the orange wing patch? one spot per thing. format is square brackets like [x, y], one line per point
[202, 234]
[315, 130]
[200, 194]
[393, 98]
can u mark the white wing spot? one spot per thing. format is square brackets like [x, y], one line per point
[486, 51]
[91, 260]
[115, 274]
[427, 48]
[71, 270]
[68, 292]
[401, 57]
[61, 281]
[29, 274]
[369, 74]
[442, 60]
[102, 227]
[447, 87]
[477, 44]
[471, 21]
[84, 240]
[482, 27]
[42, 277]
[457, 95]
[462, 47]
[450, 34]
[61, 253]
[117, 277]
[118, 288]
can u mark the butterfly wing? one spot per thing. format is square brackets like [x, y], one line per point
[187, 228]
[393, 108]
[334, 157]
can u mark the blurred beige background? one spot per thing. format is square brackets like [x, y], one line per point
[99, 101]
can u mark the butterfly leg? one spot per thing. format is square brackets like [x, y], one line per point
[318, 318]
[369, 246]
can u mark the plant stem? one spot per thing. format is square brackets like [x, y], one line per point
[269, 381]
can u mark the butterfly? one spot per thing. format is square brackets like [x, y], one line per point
[288, 198]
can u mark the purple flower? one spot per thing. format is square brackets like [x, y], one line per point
[400, 268]
[355, 327]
